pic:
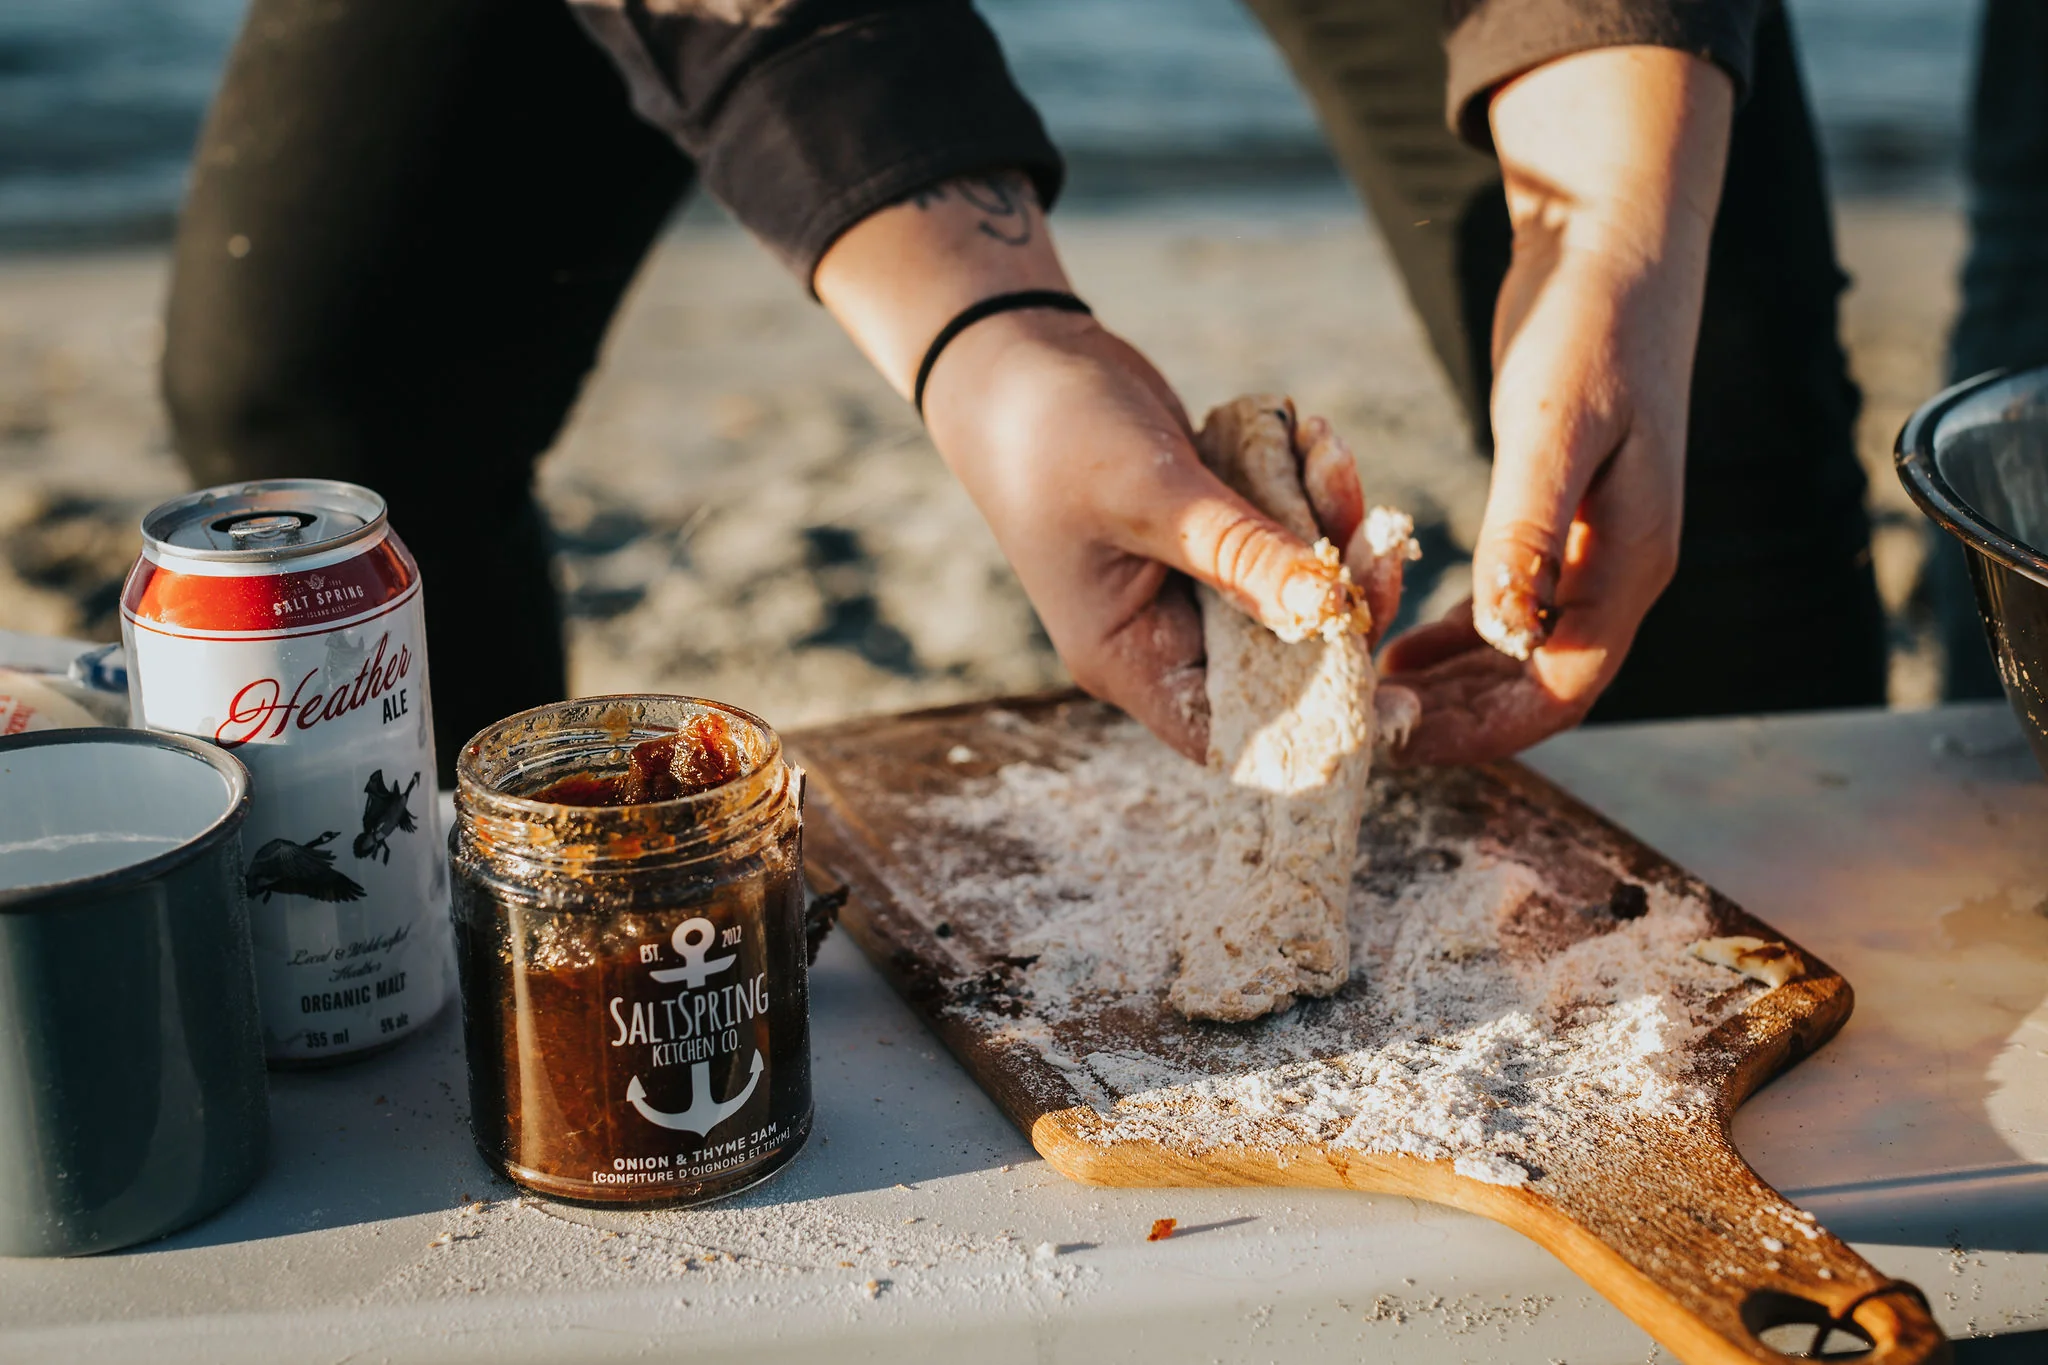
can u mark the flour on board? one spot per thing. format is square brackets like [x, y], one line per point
[1473, 1028]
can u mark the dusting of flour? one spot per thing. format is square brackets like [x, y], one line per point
[1488, 1013]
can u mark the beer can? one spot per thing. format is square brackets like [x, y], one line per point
[282, 620]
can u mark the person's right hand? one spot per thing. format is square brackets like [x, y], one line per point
[1080, 457]
[1083, 463]
[1613, 162]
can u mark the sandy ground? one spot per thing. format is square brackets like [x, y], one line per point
[746, 512]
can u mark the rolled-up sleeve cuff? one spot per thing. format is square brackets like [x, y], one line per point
[864, 114]
[1493, 41]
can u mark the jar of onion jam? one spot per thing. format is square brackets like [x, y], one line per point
[629, 920]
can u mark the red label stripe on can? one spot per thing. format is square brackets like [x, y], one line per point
[281, 603]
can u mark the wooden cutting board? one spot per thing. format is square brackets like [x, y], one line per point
[1670, 1224]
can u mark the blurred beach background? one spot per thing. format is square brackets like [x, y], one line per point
[743, 510]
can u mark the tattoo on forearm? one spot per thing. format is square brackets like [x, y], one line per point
[1005, 202]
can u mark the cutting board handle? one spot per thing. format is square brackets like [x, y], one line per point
[1895, 1316]
[1668, 1222]
[1685, 1238]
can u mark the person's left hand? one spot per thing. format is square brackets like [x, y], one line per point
[1613, 161]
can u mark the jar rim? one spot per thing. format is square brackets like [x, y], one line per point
[470, 779]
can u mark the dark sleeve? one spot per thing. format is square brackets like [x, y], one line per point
[1493, 41]
[805, 116]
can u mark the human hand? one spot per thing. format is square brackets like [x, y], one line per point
[1084, 464]
[1081, 458]
[1613, 162]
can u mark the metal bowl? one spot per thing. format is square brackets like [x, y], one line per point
[132, 1087]
[1975, 458]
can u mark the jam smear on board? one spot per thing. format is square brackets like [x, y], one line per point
[700, 756]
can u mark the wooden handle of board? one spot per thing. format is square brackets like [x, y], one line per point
[1673, 1226]
[1667, 1221]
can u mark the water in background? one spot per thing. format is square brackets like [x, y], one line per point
[100, 101]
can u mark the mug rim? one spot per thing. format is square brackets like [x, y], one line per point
[52, 895]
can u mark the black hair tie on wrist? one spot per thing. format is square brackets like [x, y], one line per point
[1056, 299]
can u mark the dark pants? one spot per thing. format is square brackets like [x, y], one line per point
[410, 224]
[2004, 318]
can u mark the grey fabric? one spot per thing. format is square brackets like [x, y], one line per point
[1374, 70]
[805, 116]
[1400, 88]
[1493, 41]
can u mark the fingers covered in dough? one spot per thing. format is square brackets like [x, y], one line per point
[1375, 544]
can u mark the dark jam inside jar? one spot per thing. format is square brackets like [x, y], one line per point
[700, 756]
[629, 910]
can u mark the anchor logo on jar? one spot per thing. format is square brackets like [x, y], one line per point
[691, 1015]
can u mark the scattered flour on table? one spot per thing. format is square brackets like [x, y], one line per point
[760, 1252]
[1458, 1037]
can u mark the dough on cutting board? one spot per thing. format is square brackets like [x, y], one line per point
[1291, 732]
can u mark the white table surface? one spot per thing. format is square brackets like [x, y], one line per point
[1908, 850]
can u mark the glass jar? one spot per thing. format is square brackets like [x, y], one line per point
[634, 992]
